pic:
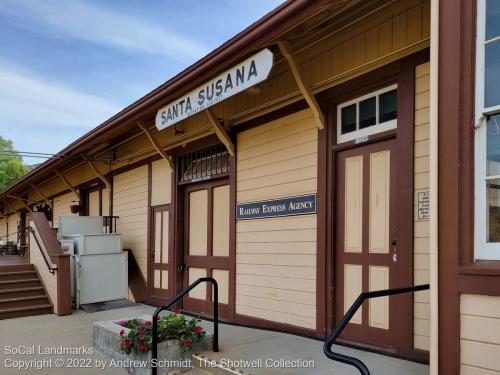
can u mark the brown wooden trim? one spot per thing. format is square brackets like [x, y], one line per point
[321, 224]
[232, 233]
[401, 72]
[456, 175]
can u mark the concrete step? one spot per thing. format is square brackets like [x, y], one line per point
[18, 275]
[40, 299]
[17, 312]
[19, 283]
[21, 292]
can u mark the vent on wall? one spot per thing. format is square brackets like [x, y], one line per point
[204, 164]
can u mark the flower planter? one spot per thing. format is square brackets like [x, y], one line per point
[75, 208]
[106, 338]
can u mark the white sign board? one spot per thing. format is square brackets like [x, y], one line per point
[423, 206]
[248, 73]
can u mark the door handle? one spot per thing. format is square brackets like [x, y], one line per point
[394, 251]
[181, 267]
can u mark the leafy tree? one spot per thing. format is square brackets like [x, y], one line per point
[11, 164]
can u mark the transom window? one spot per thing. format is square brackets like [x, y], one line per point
[487, 137]
[204, 164]
[369, 114]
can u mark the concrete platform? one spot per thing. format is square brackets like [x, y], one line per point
[237, 343]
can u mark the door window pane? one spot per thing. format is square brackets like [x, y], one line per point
[388, 106]
[493, 201]
[349, 119]
[367, 113]
[492, 75]
[493, 146]
[492, 19]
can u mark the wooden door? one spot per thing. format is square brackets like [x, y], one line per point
[366, 238]
[206, 244]
[161, 253]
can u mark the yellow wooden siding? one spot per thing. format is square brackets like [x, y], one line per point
[13, 220]
[276, 257]
[105, 202]
[479, 334]
[338, 54]
[3, 229]
[62, 205]
[130, 203]
[421, 315]
[161, 182]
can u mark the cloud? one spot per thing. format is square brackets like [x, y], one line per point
[27, 100]
[85, 21]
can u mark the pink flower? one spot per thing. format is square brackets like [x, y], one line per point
[198, 330]
[126, 344]
[187, 344]
[177, 311]
[148, 324]
[140, 330]
[141, 345]
[122, 333]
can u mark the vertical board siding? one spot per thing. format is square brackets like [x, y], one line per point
[130, 204]
[3, 229]
[479, 334]
[161, 182]
[13, 220]
[62, 205]
[276, 257]
[421, 306]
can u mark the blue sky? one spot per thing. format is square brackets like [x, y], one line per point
[68, 65]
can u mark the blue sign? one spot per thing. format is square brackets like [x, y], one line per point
[290, 206]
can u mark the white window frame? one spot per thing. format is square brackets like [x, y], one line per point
[483, 250]
[374, 129]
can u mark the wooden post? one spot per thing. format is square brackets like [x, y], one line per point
[156, 144]
[287, 52]
[220, 131]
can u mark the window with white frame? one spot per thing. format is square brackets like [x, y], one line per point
[367, 115]
[487, 137]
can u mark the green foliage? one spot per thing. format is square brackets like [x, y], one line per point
[11, 166]
[173, 326]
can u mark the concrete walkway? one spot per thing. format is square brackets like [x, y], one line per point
[237, 343]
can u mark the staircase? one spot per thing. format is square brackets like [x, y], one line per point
[22, 292]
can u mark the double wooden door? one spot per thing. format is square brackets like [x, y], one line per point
[367, 253]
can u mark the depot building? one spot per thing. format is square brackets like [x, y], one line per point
[297, 164]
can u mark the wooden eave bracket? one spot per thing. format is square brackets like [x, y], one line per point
[296, 70]
[23, 201]
[99, 175]
[46, 200]
[66, 182]
[9, 205]
[156, 144]
[220, 131]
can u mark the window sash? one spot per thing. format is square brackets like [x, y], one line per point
[379, 127]
[484, 250]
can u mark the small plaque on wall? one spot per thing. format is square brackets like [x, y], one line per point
[423, 206]
[290, 206]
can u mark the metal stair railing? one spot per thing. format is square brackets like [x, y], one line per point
[327, 347]
[215, 343]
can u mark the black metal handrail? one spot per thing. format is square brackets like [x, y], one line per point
[32, 231]
[327, 347]
[215, 343]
